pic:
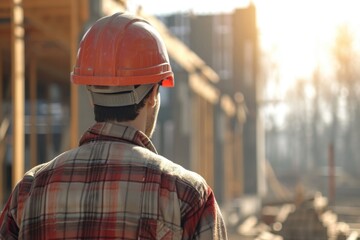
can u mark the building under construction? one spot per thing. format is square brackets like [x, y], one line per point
[40, 110]
[208, 123]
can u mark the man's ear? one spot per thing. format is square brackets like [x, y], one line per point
[153, 98]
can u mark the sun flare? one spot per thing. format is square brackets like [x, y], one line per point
[300, 34]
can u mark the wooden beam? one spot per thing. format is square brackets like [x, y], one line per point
[2, 147]
[83, 11]
[50, 12]
[204, 88]
[51, 70]
[74, 108]
[228, 105]
[49, 122]
[209, 143]
[49, 30]
[228, 157]
[238, 160]
[4, 126]
[5, 14]
[52, 52]
[1, 85]
[195, 143]
[33, 114]
[18, 87]
[51, 8]
[35, 4]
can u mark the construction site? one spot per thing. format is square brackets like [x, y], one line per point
[211, 122]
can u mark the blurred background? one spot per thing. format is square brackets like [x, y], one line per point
[265, 106]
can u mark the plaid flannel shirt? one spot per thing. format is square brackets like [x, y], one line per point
[113, 186]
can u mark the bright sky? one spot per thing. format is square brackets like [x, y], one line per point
[296, 36]
[298, 33]
[303, 31]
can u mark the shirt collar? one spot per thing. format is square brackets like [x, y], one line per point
[107, 131]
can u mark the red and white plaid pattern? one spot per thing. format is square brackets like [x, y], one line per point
[114, 186]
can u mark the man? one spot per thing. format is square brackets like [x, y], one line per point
[115, 185]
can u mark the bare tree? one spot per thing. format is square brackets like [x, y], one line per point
[348, 78]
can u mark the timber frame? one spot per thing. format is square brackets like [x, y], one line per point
[38, 42]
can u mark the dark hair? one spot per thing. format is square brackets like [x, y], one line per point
[120, 114]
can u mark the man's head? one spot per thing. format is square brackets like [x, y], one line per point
[150, 105]
[122, 60]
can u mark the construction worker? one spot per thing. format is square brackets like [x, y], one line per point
[115, 185]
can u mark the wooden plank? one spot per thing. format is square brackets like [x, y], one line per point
[4, 14]
[83, 11]
[228, 156]
[51, 12]
[195, 143]
[60, 37]
[51, 8]
[36, 4]
[204, 88]
[52, 70]
[238, 159]
[2, 135]
[33, 112]
[1, 85]
[18, 86]
[228, 105]
[209, 143]
[49, 121]
[4, 126]
[74, 108]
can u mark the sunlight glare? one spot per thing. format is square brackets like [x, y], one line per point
[300, 34]
[199, 6]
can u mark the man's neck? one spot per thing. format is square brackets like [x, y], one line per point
[138, 123]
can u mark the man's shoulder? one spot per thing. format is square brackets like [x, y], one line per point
[44, 167]
[173, 172]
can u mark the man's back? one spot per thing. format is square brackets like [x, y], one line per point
[113, 186]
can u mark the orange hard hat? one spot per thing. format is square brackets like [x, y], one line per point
[122, 50]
